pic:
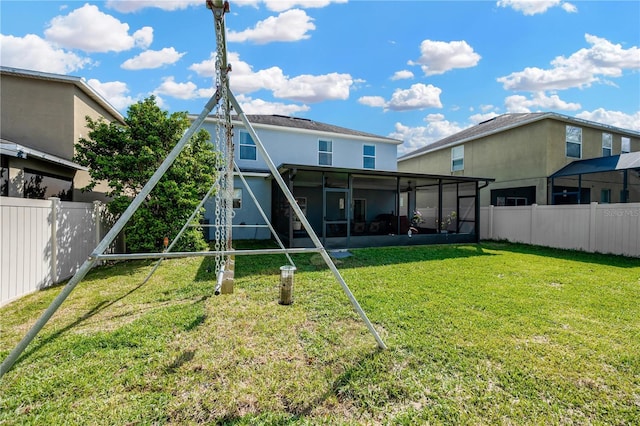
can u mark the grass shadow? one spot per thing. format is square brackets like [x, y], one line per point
[565, 254]
[36, 346]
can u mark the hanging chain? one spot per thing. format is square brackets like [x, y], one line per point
[220, 145]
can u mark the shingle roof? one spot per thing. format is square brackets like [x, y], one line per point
[307, 124]
[493, 125]
[499, 124]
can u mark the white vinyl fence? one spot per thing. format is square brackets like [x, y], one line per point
[601, 228]
[43, 242]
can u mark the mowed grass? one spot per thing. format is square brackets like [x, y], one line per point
[493, 333]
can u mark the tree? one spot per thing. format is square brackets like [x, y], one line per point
[127, 156]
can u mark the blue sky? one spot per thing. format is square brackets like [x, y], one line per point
[413, 70]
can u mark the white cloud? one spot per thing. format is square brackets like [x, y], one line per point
[581, 69]
[115, 92]
[127, 6]
[89, 29]
[259, 106]
[304, 88]
[479, 118]
[34, 53]
[613, 118]
[187, 90]
[418, 96]
[373, 101]
[569, 7]
[153, 59]
[418, 137]
[538, 101]
[315, 88]
[533, 7]
[402, 75]
[282, 5]
[438, 57]
[292, 25]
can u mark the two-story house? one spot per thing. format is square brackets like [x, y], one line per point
[42, 118]
[346, 183]
[539, 158]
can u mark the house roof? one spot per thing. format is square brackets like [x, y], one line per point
[502, 123]
[629, 161]
[79, 82]
[305, 124]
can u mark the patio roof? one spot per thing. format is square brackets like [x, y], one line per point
[383, 173]
[628, 161]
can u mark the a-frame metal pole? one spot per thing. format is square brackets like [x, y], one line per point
[303, 219]
[108, 239]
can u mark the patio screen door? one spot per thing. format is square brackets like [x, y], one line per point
[336, 212]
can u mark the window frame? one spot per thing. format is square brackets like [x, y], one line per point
[371, 157]
[607, 144]
[573, 136]
[236, 202]
[243, 136]
[327, 153]
[457, 154]
[625, 141]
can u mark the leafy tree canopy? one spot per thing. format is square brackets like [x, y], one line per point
[127, 156]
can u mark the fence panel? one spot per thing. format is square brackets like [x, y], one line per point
[25, 244]
[602, 228]
[43, 242]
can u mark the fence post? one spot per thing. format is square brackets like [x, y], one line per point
[533, 224]
[97, 218]
[490, 236]
[592, 227]
[55, 206]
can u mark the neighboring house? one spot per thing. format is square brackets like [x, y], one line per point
[539, 158]
[345, 181]
[42, 118]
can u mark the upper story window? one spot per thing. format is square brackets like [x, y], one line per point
[369, 156]
[457, 158]
[325, 152]
[247, 147]
[625, 145]
[607, 144]
[574, 142]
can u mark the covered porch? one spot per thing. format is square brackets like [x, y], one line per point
[352, 208]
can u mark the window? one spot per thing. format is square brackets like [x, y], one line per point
[457, 158]
[605, 196]
[237, 198]
[325, 153]
[43, 185]
[4, 177]
[625, 145]
[574, 142]
[369, 156]
[607, 144]
[247, 147]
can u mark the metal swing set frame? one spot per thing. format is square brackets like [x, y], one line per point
[225, 100]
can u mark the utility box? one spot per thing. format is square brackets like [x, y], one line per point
[286, 284]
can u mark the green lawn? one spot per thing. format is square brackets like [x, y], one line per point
[478, 334]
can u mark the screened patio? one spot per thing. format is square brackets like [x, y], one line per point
[350, 208]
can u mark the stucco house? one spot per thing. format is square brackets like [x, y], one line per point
[347, 184]
[42, 117]
[539, 158]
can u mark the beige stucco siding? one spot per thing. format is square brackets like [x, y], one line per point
[36, 113]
